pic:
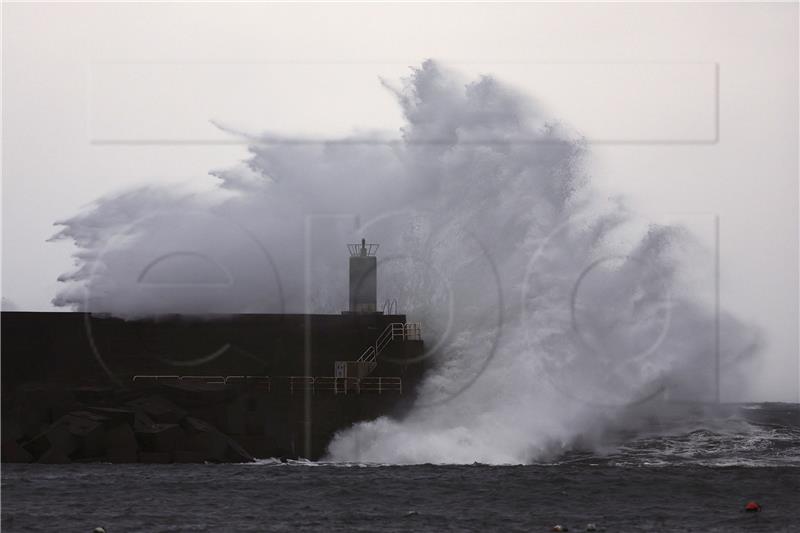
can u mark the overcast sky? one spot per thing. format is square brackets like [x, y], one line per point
[691, 111]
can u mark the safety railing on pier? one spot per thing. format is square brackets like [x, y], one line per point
[211, 380]
[336, 385]
[260, 382]
[301, 384]
[411, 331]
[152, 380]
[368, 355]
[381, 385]
[256, 382]
[377, 385]
[295, 384]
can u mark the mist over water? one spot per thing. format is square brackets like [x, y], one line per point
[554, 317]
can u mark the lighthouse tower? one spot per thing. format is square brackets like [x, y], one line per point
[363, 277]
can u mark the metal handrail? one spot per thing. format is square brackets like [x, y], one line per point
[259, 382]
[368, 354]
[381, 384]
[202, 379]
[218, 380]
[337, 385]
[156, 378]
[390, 306]
[386, 337]
[411, 331]
[301, 383]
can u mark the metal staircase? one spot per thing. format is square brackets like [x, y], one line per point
[368, 360]
[410, 331]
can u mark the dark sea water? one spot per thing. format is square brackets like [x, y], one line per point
[697, 479]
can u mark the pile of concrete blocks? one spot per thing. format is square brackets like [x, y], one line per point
[149, 429]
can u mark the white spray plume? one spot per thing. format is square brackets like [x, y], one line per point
[544, 315]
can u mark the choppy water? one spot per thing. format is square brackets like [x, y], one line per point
[697, 479]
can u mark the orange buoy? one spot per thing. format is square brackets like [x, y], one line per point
[559, 527]
[752, 507]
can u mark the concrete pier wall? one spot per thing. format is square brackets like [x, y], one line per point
[56, 367]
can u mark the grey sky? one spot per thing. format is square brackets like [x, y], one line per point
[639, 79]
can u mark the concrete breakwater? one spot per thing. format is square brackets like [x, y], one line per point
[94, 388]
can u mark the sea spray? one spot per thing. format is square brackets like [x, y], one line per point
[548, 314]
